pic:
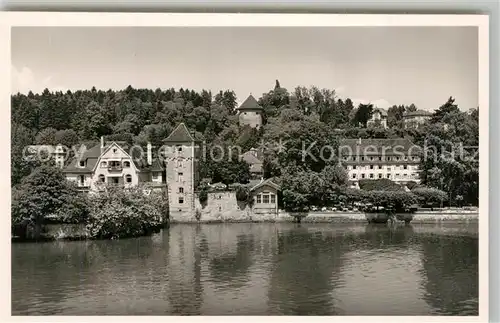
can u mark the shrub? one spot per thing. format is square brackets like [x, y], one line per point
[124, 213]
[397, 201]
[429, 196]
[379, 185]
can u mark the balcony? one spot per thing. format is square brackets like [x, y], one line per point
[115, 168]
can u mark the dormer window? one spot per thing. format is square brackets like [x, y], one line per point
[82, 163]
[179, 148]
[115, 150]
[126, 164]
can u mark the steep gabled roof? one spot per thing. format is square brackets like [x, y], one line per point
[268, 181]
[250, 104]
[180, 134]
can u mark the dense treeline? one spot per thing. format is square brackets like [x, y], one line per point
[305, 114]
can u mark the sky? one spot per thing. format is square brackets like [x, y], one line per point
[381, 65]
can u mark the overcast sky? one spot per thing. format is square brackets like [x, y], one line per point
[384, 65]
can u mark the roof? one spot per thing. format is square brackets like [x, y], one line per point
[250, 104]
[268, 182]
[256, 165]
[377, 147]
[383, 112]
[180, 134]
[418, 113]
[90, 156]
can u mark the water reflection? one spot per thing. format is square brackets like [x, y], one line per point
[254, 269]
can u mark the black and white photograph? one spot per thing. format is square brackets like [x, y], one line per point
[248, 169]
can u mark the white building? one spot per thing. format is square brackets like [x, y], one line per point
[378, 118]
[415, 119]
[112, 163]
[394, 159]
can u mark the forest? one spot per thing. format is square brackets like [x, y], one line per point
[293, 116]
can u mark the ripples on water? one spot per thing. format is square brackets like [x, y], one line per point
[254, 269]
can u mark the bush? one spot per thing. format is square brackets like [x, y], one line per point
[397, 201]
[379, 185]
[125, 213]
[429, 196]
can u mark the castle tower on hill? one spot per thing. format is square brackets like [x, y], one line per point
[182, 177]
[250, 113]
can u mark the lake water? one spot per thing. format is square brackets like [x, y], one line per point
[254, 269]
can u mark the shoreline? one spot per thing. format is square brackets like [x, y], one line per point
[420, 217]
[76, 232]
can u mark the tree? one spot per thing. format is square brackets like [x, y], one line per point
[363, 114]
[44, 192]
[429, 196]
[46, 137]
[67, 137]
[20, 166]
[448, 107]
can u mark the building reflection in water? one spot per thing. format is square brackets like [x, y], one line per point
[253, 269]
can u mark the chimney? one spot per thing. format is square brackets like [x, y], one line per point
[102, 144]
[150, 157]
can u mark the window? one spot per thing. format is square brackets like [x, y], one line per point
[114, 150]
[405, 167]
[371, 166]
[388, 175]
[244, 113]
[371, 158]
[354, 158]
[388, 169]
[379, 166]
[128, 178]
[354, 167]
[380, 158]
[114, 180]
[388, 158]
[371, 175]
[82, 179]
[180, 177]
[273, 198]
[102, 179]
[104, 164]
[397, 175]
[179, 163]
[265, 198]
[362, 175]
[379, 175]
[155, 175]
[405, 175]
[179, 148]
[126, 164]
[181, 189]
[181, 200]
[259, 198]
[397, 158]
[82, 163]
[353, 175]
[362, 158]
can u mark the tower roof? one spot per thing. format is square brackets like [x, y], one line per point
[250, 104]
[180, 134]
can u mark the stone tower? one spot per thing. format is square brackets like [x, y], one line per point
[181, 170]
[250, 113]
